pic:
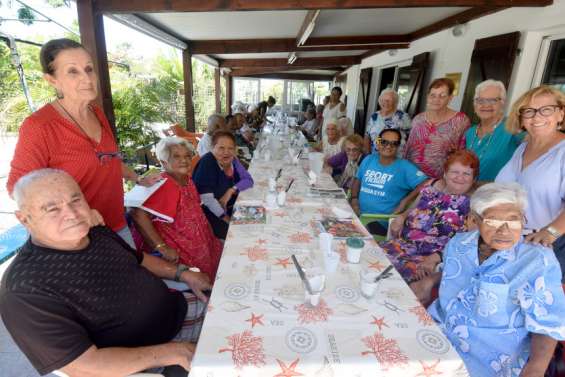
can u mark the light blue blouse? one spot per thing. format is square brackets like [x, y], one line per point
[488, 311]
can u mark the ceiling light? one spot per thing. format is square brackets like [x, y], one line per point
[292, 57]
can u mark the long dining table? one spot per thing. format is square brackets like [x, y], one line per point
[257, 321]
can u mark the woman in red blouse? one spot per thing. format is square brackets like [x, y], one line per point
[72, 134]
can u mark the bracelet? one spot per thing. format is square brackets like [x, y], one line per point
[554, 232]
[180, 269]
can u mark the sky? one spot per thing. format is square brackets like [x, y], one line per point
[116, 33]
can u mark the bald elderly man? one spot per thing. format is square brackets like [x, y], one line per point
[79, 300]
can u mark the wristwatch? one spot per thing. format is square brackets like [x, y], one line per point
[554, 232]
[182, 268]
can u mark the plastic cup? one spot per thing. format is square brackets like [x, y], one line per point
[331, 261]
[317, 280]
[354, 249]
[367, 283]
[326, 242]
[316, 160]
[281, 198]
[267, 156]
[272, 184]
[271, 200]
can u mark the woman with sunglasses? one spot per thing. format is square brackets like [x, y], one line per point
[421, 232]
[489, 139]
[72, 133]
[383, 181]
[436, 132]
[500, 299]
[539, 165]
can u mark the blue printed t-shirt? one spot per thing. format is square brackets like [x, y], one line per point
[383, 187]
[494, 150]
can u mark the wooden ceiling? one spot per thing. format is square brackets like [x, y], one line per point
[338, 44]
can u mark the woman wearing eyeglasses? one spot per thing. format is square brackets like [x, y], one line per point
[344, 165]
[436, 132]
[500, 299]
[71, 133]
[383, 181]
[489, 139]
[539, 164]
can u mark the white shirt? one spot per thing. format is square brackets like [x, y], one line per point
[330, 150]
[204, 145]
[331, 113]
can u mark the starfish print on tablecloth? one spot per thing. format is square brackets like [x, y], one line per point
[380, 322]
[255, 253]
[422, 314]
[377, 265]
[311, 314]
[300, 237]
[255, 320]
[342, 251]
[288, 371]
[385, 350]
[246, 349]
[280, 213]
[429, 370]
[324, 211]
[283, 262]
[294, 200]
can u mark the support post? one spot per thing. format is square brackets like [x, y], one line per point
[188, 90]
[229, 92]
[92, 37]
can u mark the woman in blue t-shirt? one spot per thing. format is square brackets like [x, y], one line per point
[384, 182]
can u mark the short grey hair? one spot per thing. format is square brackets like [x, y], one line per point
[389, 91]
[494, 194]
[25, 181]
[491, 83]
[163, 148]
[213, 123]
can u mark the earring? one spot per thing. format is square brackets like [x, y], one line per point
[59, 94]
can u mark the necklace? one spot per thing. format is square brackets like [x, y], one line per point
[478, 141]
[92, 141]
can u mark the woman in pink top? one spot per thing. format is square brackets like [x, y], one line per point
[437, 131]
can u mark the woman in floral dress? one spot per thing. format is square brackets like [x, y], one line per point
[421, 232]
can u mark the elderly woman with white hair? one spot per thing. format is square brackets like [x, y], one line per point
[500, 301]
[489, 139]
[215, 123]
[389, 116]
[172, 221]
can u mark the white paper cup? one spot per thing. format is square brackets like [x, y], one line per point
[281, 198]
[326, 242]
[367, 283]
[271, 200]
[331, 261]
[317, 280]
[272, 184]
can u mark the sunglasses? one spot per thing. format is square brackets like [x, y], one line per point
[512, 224]
[106, 157]
[388, 143]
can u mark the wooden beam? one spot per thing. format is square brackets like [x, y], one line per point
[329, 61]
[251, 71]
[91, 27]
[229, 94]
[291, 76]
[459, 18]
[311, 17]
[242, 46]
[133, 6]
[218, 90]
[188, 90]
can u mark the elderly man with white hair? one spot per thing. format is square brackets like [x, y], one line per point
[79, 300]
[489, 139]
[215, 123]
[389, 116]
[500, 301]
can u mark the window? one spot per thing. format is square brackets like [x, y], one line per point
[554, 72]
[246, 90]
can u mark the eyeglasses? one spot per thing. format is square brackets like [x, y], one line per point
[106, 157]
[545, 111]
[388, 143]
[352, 149]
[487, 101]
[494, 223]
[438, 96]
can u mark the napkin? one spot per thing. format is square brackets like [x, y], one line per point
[342, 213]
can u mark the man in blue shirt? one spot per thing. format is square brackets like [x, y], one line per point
[384, 181]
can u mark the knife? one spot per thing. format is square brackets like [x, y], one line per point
[385, 274]
[301, 274]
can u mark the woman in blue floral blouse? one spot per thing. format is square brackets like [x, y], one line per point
[422, 231]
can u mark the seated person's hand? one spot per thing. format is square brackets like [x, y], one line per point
[226, 197]
[423, 289]
[355, 206]
[226, 218]
[198, 282]
[427, 266]
[396, 226]
[183, 355]
[542, 237]
[150, 179]
[169, 254]
[95, 218]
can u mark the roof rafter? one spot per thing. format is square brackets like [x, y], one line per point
[330, 61]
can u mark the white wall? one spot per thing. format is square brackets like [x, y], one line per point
[453, 54]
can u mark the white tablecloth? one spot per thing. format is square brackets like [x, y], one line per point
[258, 324]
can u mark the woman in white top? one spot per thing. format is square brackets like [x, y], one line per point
[335, 109]
[334, 140]
[539, 164]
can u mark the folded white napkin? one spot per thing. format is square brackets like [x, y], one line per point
[342, 213]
